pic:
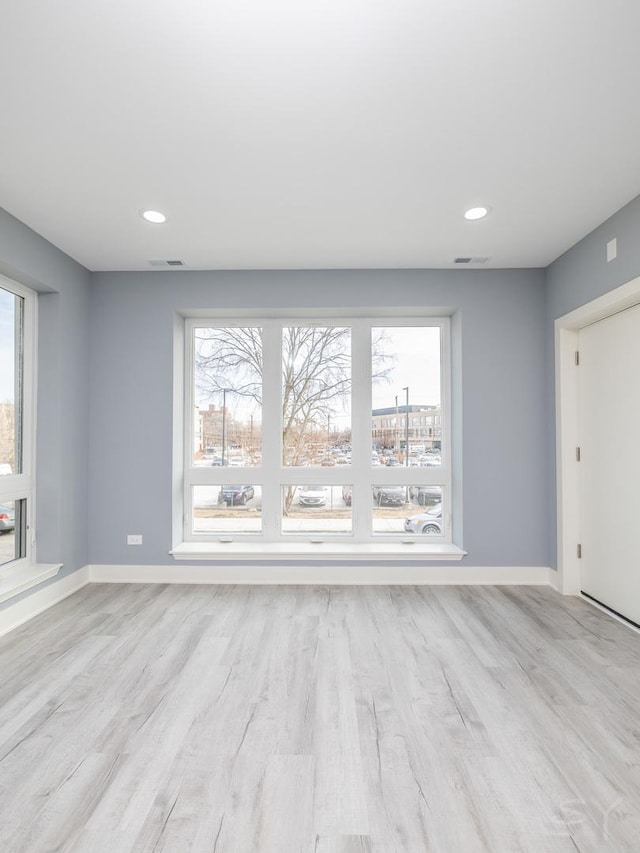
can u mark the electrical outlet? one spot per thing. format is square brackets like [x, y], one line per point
[134, 539]
[612, 249]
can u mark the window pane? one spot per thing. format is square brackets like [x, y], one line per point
[11, 313]
[407, 509]
[12, 531]
[227, 510]
[228, 397]
[316, 509]
[316, 395]
[406, 421]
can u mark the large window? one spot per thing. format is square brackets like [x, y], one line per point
[17, 307]
[317, 429]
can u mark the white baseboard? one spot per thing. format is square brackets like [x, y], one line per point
[24, 610]
[339, 575]
[20, 612]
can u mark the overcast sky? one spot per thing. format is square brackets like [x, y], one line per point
[7, 333]
[416, 364]
[414, 361]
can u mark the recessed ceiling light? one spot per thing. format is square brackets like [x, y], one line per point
[153, 216]
[476, 212]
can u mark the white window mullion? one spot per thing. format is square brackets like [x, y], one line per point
[445, 424]
[361, 430]
[188, 427]
[445, 396]
[271, 429]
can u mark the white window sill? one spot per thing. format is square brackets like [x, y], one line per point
[396, 551]
[22, 575]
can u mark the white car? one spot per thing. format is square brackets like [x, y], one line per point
[430, 461]
[7, 518]
[429, 522]
[312, 496]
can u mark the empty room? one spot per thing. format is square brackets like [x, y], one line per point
[319, 418]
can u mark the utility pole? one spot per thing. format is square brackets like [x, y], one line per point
[406, 430]
[224, 420]
[395, 429]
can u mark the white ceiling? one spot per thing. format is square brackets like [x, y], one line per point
[282, 134]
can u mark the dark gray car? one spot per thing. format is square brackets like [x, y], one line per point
[426, 494]
[389, 495]
[235, 495]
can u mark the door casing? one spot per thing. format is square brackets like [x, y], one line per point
[567, 482]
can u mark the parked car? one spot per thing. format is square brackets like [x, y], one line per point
[235, 495]
[429, 522]
[426, 494]
[313, 496]
[429, 461]
[389, 495]
[347, 494]
[7, 518]
[238, 461]
[392, 462]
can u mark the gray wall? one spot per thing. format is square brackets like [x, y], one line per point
[583, 274]
[501, 322]
[63, 385]
[577, 277]
[124, 321]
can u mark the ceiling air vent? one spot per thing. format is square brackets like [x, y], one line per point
[470, 260]
[167, 263]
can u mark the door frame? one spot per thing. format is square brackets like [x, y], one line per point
[567, 328]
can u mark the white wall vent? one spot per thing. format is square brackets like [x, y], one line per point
[171, 263]
[470, 260]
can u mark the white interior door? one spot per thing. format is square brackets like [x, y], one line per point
[609, 437]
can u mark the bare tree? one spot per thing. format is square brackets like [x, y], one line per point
[316, 376]
[316, 380]
[7, 433]
[229, 358]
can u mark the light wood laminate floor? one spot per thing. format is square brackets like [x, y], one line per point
[220, 719]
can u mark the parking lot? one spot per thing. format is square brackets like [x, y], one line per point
[334, 517]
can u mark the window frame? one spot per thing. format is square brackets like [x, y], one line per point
[21, 486]
[272, 474]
